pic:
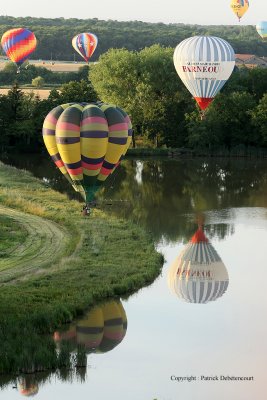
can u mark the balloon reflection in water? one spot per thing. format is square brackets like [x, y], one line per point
[102, 329]
[198, 275]
[27, 386]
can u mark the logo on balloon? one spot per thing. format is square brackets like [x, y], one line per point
[204, 68]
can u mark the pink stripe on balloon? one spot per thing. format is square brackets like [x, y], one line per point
[114, 336]
[52, 119]
[118, 127]
[105, 171]
[76, 171]
[94, 120]
[59, 163]
[91, 166]
[68, 126]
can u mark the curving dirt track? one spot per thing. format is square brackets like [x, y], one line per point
[44, 244]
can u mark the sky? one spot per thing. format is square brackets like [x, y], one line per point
[201, 12]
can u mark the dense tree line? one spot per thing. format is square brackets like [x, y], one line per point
[163, 112]
[146, 85]
[8, 75]
[54, 35]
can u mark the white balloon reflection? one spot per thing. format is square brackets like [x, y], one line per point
[198, 274]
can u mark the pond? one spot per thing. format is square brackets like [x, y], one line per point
[199, 331]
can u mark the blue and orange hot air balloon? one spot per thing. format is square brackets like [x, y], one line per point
[18, 44]
[85, 44]
[86, 142]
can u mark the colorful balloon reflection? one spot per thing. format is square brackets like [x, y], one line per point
[102, 328]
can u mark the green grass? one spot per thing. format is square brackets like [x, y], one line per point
[76, 262]
[12, 234]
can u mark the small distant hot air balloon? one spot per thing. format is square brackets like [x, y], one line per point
[18, 44]
[102, 328]
[198, 275]
[239, 7]
[85, 44]
[204, 63]
[261, 28]
[87, 142]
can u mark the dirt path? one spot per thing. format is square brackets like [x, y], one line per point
[44, 245]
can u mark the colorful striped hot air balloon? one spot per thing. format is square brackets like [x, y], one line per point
[198, 275]
[204, 63]
[85, 44]
[18, 44]
[261, 28]
[101, 329]
[239, 7]
[87, 142]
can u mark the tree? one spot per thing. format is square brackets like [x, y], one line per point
[146, 85]
[79, 92]
[38, 82]
[115, 78]
[259, 118]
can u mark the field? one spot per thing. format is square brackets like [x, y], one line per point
[55, 66]
[42, 93]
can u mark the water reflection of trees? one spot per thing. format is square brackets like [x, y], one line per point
[28, 361]
[167, 192]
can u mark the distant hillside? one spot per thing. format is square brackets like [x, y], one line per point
[55, 35]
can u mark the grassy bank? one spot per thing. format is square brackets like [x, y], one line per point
[76, 261]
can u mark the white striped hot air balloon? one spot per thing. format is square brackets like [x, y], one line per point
[198, 275]
[204, 63]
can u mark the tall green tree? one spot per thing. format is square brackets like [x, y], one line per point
[259, 118]
[146, 85]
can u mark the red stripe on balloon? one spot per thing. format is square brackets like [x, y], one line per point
[91, 166]
[59, 163]
[76, 171]
[105, 171]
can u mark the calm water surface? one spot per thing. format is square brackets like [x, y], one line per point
[167, 334]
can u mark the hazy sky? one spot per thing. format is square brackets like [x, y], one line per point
[168, 11]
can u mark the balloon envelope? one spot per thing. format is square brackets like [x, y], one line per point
[18, 44]
[101, 329]
[261, 28]
[85, 44]
[86, 142]
[204, 63]
[198, 275]
[239, 7]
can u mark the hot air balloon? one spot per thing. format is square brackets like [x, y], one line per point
[87, 142]
[261, 28]
[198, 275]
[239, 7]
[18, 44]
[204, 63]
[101, 329]
[85, 44]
